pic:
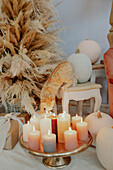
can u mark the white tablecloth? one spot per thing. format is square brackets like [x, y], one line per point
[20, 159]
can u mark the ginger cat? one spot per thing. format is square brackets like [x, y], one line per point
[62, 74]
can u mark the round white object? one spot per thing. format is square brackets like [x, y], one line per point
[95, 123]
[104, 147]
[81, 66]
[90, 48]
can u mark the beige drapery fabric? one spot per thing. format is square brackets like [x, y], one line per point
[110, 34]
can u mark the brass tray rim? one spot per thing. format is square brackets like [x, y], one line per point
[58, 154]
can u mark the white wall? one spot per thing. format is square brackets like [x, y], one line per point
[85, 19]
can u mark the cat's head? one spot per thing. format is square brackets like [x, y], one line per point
[47, 104]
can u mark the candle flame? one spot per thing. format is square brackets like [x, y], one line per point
[28, 122]
[54, 114]
[70, 129]
[64, 112]
[33, 128]
[46, 111]
[49, 132]
[81, 119]
[76, 115]
[63, 115]
[50, 112]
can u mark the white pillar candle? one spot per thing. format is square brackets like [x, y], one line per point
[70, 138]
[47, 114]
[45, 125]
[34, 140]
[66, 115]
[75, 120]
[82, 130]
[35, 121]
[27, 128]
[49, 142]
[62, 126]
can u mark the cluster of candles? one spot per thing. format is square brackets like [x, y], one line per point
[49, 130]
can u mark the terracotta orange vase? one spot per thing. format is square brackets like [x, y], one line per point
[108, 60]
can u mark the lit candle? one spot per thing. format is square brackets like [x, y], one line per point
[82, 130]
[34, 140]
[49, 142]
[65, 115]
[35, 121]
[62, 126]
[45, 125]
[70, 138]
[54, 125]
[27, 128]
[75, 120]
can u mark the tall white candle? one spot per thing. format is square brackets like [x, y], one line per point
[27, 128]
[82, 130]
[35, 121]
[62, 126]
[49, 142]
[45, 125]
[70, 138]
[66, 115]
[75, 120]
[34, 140]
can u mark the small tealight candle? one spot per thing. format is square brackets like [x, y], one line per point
[54, 125]
[62, 126]
[27, 128]
[70, 138]
[34, 140]
[35, 121]
[75, 120]
[49, 142]
[45, 125]
[82, 130]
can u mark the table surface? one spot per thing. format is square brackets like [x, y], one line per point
[20, 159]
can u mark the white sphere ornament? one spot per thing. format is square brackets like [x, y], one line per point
[96, 121]
[90, 48]
[82, 66]
[104, 147]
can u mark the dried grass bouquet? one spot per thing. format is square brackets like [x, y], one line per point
[28, 50]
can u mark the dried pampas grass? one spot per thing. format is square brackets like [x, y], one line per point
[29, 50]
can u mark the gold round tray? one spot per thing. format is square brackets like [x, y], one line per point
[62, 157]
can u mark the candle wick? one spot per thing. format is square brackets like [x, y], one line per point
[81, 119]
[76, 115]
[64, 112]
